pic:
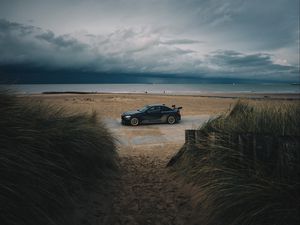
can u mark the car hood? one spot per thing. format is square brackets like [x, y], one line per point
[130, 113]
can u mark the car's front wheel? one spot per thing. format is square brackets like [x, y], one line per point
[171, 120]
[134, 121]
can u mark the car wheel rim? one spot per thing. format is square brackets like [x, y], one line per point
[134, 121]
[171, 120]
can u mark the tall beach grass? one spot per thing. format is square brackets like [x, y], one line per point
[47, 157]
[236, 187]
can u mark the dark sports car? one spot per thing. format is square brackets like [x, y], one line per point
[156, 113]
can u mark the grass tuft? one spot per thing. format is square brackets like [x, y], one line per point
[250, 181]
[47, 156]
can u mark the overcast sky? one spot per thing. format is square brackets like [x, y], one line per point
[257, 39]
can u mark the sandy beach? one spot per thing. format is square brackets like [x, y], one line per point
[111, 105]
[146, 192]
[196, 110]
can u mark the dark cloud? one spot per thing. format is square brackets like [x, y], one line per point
[130, 51]
[7, 27]
[233, 58]
[233, 64]
[29, 44]
[62, 41]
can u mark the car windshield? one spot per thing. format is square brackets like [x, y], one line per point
[144, 108]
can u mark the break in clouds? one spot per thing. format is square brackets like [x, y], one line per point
[231, 39]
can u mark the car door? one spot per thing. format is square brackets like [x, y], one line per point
[153, 114]
[165, 112]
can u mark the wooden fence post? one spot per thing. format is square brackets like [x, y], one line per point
[190, 136]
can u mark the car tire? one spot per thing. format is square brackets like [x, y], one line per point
[134, 121]
[171, 120]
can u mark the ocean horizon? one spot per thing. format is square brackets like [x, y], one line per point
[275, 88]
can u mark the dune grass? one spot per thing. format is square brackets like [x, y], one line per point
[235, 188]
[48, 156]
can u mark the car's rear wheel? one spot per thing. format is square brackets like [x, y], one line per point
[171, 120]
[134, 121]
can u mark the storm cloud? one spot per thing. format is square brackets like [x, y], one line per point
[226, 39]
[235, 64]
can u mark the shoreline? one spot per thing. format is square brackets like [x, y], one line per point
[281, 91]
[230, 95]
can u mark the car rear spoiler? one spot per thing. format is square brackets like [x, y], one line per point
[174, 107]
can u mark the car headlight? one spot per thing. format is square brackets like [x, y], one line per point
[127, 117]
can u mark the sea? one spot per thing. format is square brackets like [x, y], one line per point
[185, 89]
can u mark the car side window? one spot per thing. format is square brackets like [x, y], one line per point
[154, 109]
[151, 109]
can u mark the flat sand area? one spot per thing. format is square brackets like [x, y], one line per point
[196, 110]
[112, 105]
[146, 192]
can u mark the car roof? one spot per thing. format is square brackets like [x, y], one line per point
[157, 105]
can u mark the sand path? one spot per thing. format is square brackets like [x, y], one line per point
[146, 192]
[129, 136]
